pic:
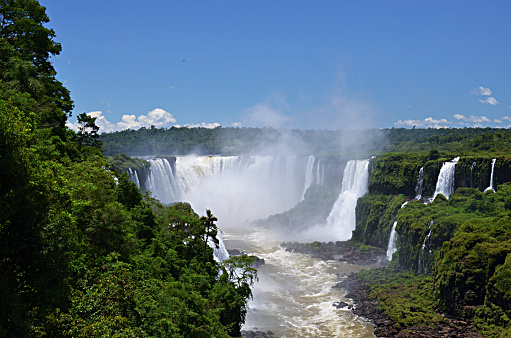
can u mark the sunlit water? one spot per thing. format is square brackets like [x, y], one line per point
[294, 295]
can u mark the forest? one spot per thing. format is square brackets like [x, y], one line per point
[83, 253]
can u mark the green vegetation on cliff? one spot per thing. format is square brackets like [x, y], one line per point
[458, 248]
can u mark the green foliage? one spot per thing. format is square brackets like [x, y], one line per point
[406, 298]
[82, 252]
[375, 216]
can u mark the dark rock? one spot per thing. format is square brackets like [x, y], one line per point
[342, 251]
[341, 304]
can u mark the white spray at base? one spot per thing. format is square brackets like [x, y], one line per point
[491, 176]
[342, 221]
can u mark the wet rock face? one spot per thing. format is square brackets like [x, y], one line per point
[339, 251]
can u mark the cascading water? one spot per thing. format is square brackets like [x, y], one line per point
[133, 176]
[220, 254]
[309, 174]
[418, 187]
[422, 264]
[341, 220]
[392, 246]
[491, 176]
[319, 174]
[162, 182]
[445, 182]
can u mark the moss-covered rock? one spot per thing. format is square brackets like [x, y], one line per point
[375, 216]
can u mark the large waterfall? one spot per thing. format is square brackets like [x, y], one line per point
[445, 182]
[342, 221]
[236, 188]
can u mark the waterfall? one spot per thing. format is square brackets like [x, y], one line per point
[491, 176]
[355, 183]
[161, 181]
[235, 188]
[418, 187]
[309, 174]
[445, 182]
[134, 177]
[422, 265]
[220, 254]
[392, 246]
[319, 174]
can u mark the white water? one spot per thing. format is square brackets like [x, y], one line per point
[133, 176]
[445, 182]
[341, 220]
[392, 246]
[309, 174]
[422, 264]
[419, 186]
[319, 173]
[491, 177]
[294, 295]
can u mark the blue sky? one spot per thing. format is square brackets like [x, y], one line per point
[292, 64]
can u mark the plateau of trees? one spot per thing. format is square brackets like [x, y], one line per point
[82, 252]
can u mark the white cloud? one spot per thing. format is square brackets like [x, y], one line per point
[490, 100]
[426, 123]
[236, 125]
[481, 91]
[199, 125]
[157, 117]
[472, 118]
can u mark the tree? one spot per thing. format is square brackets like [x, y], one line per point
[88, 131]
[211, 229]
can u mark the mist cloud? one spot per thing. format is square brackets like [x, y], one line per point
[270, 113]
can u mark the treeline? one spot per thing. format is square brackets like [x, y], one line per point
[353, 144]
[228, 141]
[82, 252]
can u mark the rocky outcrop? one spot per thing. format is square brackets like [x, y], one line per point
[340, 251]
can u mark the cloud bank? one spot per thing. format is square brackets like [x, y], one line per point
[459, 121]
[156, 117]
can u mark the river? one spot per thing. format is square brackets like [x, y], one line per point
[294, 294]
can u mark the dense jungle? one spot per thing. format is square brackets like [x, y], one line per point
[82, 252]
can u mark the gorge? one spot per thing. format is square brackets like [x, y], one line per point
[243, 191]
